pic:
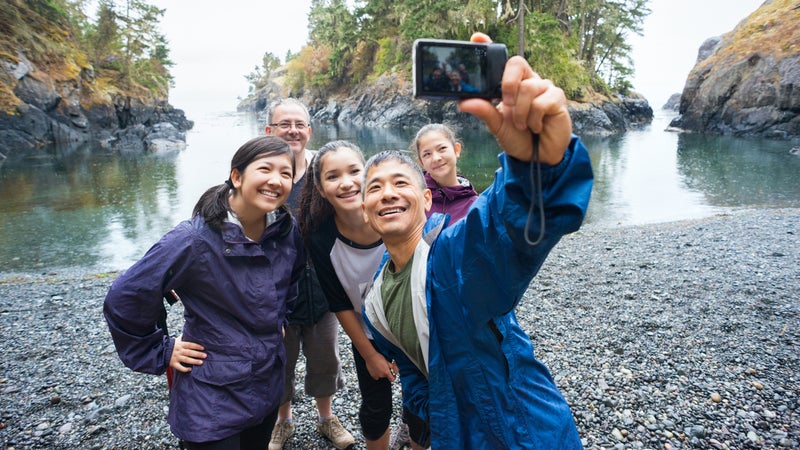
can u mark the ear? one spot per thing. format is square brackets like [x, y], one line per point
[457, 149]
[428, 199]
[236, 178]
[268, 130]
[364, 213]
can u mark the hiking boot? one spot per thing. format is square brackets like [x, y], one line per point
[280, 434]
[399, 437]
[336, 433]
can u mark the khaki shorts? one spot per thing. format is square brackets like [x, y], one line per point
[320, 345]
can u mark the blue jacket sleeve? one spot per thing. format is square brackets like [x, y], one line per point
[495, 264]
[135, 299]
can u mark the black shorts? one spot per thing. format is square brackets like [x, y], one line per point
[376, 400]
[254, 438]
[418, 430]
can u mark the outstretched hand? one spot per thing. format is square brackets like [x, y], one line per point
[529, 105]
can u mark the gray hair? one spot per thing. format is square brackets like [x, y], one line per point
[399, 156]
[286, 101]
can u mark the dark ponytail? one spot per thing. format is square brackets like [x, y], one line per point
[213, 206]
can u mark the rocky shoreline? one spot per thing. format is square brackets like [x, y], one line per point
[675, 335]
[388, 101]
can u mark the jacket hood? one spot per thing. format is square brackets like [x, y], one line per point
[453, 200]
[450, 193]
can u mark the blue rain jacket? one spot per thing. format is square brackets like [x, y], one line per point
[486, 390]
[236, 294]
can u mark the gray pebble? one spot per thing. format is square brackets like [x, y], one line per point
[638, 325]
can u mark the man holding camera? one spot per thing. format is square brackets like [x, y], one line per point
[443, 305]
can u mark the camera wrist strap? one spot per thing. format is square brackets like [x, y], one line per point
[536, 191]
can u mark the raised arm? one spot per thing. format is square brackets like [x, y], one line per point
[495, 261]
[529, 105]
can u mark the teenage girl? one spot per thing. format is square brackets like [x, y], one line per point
[438, 150]
[346, 253]
[235, 266]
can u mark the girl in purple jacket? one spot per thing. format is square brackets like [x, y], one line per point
[234, 265]
[438, 151]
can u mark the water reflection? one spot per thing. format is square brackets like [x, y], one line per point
[64, 209]
[730, 173]
[638, 180]
[77, 206]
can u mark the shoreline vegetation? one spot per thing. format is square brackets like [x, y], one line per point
[662, 336]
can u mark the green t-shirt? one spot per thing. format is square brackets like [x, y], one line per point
[396, 297]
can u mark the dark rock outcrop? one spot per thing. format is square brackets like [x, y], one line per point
[389, 102]
[61, 110]
[747, 82]
[673, 103]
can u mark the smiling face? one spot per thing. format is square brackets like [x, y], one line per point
[438, 155]
[455, 78]
[263, 186]
[289, 113]
[340, 179]
[395, 201]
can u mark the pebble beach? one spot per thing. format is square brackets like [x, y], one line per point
[663, 336]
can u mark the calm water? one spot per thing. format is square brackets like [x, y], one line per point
[102, 211]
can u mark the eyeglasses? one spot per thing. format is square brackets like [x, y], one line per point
[286, 126]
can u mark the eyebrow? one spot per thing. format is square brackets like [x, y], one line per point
[274, 165]
[348, 167]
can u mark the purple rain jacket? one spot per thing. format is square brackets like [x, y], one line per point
[452, 200]
[236, 294]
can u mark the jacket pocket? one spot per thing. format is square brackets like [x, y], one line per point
[223, 373]
[214, 398]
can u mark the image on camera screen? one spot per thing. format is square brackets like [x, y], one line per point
[449, 71]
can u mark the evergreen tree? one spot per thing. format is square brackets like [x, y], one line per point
[104, 38]
[578, 43]
[333, 26]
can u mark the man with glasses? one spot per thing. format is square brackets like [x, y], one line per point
[311, 325]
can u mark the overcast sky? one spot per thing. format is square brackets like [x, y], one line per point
[673, 33]
[214, 44]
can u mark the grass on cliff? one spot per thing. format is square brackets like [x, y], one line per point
[758, 33]
[38, 31]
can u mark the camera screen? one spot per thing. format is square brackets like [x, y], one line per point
[448, 70]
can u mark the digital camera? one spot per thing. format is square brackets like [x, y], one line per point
[453, 70]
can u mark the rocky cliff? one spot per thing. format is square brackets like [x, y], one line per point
[45, 109]
[50, 94]
[747, 82]
[388, 102]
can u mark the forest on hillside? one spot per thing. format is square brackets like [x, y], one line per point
[582, 45]
[118, 46]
